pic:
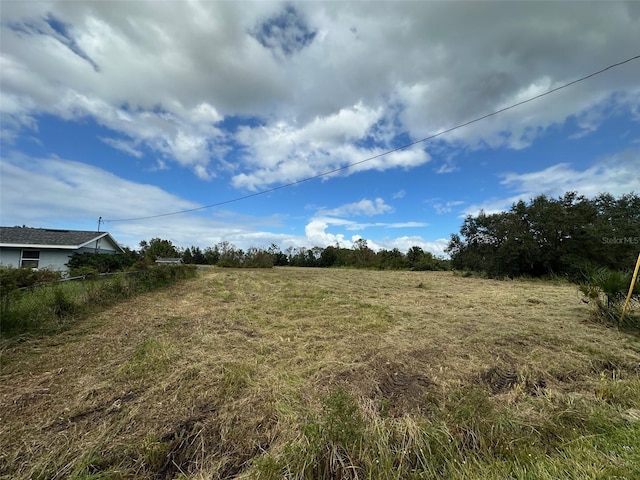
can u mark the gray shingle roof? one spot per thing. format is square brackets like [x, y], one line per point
[46, 236]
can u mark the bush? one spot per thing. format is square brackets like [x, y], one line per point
[49, 307]
[14, 278]
[606, 290]
[85, 271]
[63, 304]
[258, 259]
[102, 262]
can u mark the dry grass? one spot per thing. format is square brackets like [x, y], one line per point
[235, 374]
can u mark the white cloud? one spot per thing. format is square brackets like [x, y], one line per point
[317, 229]
[283, 152]
[447, 167]
[442, 208]
[617, 175]
[317, 235]
[493, 205]
[127, 147]
[75, 190]
[363, 207]
[166, 75]
[406, 225]
[404, 243]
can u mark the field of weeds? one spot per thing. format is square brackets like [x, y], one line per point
[326, 373]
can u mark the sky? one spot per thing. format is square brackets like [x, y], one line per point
[270, 122]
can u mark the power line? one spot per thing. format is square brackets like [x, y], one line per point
[387, 152]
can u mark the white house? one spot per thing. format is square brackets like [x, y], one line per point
[48, 248]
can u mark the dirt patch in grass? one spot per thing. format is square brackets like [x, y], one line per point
[403, 392]
[499, 380]
[394, 388]
[225, 376]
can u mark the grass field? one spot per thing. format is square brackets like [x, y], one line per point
[327, 373]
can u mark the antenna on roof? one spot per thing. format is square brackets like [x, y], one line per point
[99, 222]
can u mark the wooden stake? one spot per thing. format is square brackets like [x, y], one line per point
[633, 283]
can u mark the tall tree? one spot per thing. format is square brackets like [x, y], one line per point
[157, 248]
[567, 235]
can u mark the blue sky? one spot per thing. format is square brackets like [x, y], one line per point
[123, 110]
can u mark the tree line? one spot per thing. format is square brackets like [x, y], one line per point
[225, 254]
[568, 236]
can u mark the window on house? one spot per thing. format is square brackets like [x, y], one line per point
[30, 258]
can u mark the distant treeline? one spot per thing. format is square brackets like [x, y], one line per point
[568, 236]
[225, 254]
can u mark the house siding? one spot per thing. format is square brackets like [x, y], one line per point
[52, 259]
[10, 257]
[55, 259]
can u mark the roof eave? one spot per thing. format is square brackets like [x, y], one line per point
[31, 245]
[105, 234]
[95, 239]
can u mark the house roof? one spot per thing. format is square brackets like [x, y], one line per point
[49, 238]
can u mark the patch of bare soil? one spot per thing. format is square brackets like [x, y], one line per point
[499, 380]
[403, 392]
[396, 389]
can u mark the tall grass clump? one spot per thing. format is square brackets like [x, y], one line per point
[469, 435]
[28, 311]
[348, 439]
[330, 443]
[48, 307]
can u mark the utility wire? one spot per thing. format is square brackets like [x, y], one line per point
[387, 152]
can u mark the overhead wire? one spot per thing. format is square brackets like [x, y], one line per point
[385, 153]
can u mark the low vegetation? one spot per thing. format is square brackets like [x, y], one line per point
[327, 373]
[38, 301]
[607, 290]
[225, 254]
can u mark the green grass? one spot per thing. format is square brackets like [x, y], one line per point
[326, 374]
[469, 437]
[468, 434]
[152, 357]
[50, 308]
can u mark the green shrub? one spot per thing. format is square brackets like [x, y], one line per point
[63, 305]
[258, 259]
[84, 271]
[47, 308]
[14, 278]
[606, 290]
[102, 262]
